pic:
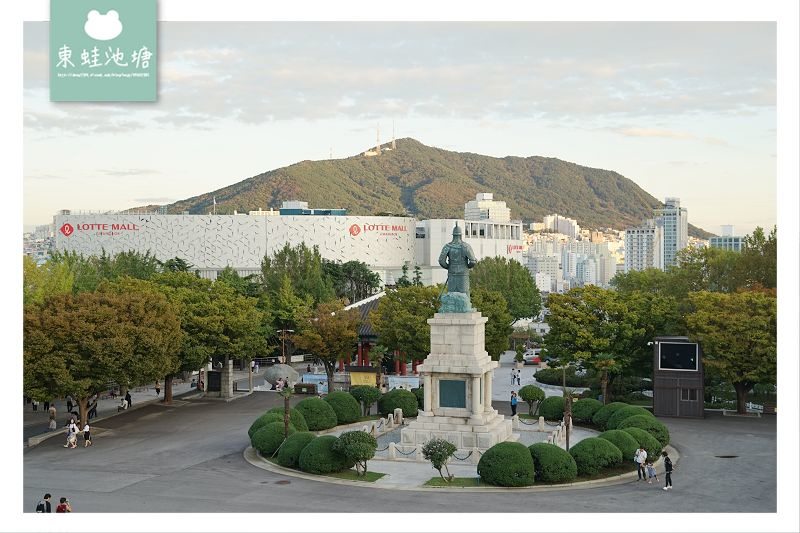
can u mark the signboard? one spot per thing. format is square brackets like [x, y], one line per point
[363, 378]
[678, 356]
[214, 381]
[402, 382]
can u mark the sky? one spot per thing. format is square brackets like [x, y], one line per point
[683, 109]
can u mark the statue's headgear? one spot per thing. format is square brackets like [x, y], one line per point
[457, 230]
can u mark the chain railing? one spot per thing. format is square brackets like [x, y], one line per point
[464, 458]
[409, 453]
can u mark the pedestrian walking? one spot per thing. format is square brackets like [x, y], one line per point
[667, 470]
[52, 424]
[87, 436]
[129, 399]
[158, 389]
[519, 376]
[63, 506]
[514, 401]
[52, 410]
[44, 505]
[651, 472]
[513, 376]
[641, 458]
[69, 403]
[35, 405]
[47, 405]
[72, 434]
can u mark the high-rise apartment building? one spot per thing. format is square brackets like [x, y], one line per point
[675, 224]
[643, 246]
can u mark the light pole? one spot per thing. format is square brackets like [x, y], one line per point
[283, 342]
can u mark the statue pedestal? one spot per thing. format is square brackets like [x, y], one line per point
[458, 388]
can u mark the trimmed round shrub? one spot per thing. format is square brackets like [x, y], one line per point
[602, 415]
[419, 392]
[405, 400]
[551, 464]
[345, 406]
[532, 395]
[552, 408]
[262, 421]
[317, 413]
[366, 396]
[289, 453]
[507, 464]
[585, 408]
[624, 441]
[296, 418]
[648, 423]
[267, 439]
[318, 457]
[356, 446]
[556, 376]
[593, 454]
[646, 441]
[621, 414]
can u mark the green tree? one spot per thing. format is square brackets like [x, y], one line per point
[513, 281]
[358, 446]
[303, 266]
[531, 394]
[403, 281]
[438, 452]
[330, 333]
[39, 282]
[245, 286]
[760, 258]
[417, 276]
[85, 274]
[76, 345]
[588, 321]
[366, 396]
[738, 334]
[493, 306]
[401, 320]
[352, 280]
[131, 263]
[176, 264]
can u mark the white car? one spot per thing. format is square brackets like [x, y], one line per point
[532, 356]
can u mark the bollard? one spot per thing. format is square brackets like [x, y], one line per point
[570, 422]
[392, 451]
[550, 439]
[476, 456]
[541, 423]
[372, 430]
[515, 422]
[419, 456]
[389, 420]
[365, 429]
[398, 416]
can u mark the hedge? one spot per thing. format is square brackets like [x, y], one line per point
[507, 464]
[554, 376]
[267, 439]
[649, 424]
[593, 454]
[585, 409]
[289, 453]
[646, 441]
[602, 415]
[626, 443]
[318, 457]
[317, 413]
[296, 418]
[366, 396]
[552, 408]
[345, 406]
[419, 392]
[262, 421]
[621, 414]
[405, 400]
[552, 464]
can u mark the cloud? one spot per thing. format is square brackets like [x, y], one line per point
[667, 134]
[44, 177]
[128, 172]
[102, 27]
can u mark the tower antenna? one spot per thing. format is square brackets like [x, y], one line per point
[393, 145]
[378, 145]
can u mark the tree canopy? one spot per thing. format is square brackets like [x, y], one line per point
[401, 319]
[303, 266]
[513, 281]
[498, 328]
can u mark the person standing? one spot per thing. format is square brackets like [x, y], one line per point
[44, 505]
[47, 405]
[641, 460]
[667, 470]
[519, 376]
[513, 376]
[158, 389]
[514, 402]
[129, 399]
[87, 436]
[63, 506]
[35, 405]
[69, 403]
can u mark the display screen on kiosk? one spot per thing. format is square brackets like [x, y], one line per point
[677, 356]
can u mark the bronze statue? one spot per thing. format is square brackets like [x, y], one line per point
[457, 258]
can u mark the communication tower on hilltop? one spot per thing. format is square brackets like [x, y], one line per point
[378, 141]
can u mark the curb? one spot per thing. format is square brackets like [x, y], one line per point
[254, 458]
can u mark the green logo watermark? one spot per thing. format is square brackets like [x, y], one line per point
[103, 51]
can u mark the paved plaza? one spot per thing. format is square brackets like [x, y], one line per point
[189, 457]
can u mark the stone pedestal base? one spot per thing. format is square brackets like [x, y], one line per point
[458, 388]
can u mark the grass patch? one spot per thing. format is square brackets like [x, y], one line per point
[369, 418]
[353, 476]
[456, 482]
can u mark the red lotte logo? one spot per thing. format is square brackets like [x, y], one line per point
[66, 229]
[355, 229]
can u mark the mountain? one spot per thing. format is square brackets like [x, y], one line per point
[429, 182]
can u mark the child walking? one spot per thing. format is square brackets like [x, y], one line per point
[651, 472]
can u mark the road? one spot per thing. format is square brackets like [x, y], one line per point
[188, 458]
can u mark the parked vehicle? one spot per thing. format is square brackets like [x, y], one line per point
[532, 356]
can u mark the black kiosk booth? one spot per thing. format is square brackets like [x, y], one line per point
[677, 378]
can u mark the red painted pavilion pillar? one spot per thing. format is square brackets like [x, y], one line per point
[403, 367]
[414, 366]
[341, 365]
[366, 354]
[396, 362]
[360, 354]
